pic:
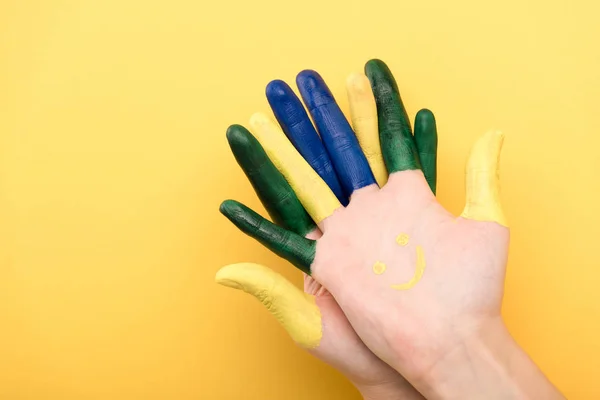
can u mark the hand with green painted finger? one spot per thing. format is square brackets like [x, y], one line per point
[421, 287]
[313, 318]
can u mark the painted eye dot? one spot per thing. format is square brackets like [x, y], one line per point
[402, 239]
[379, 268]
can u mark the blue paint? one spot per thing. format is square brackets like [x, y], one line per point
[296, 124]
[349, 161]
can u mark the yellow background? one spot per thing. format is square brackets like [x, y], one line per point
[113, 162]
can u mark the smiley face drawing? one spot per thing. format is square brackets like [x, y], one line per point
[380, 267]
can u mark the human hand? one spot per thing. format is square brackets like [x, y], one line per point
[324, 329]
[422, 288]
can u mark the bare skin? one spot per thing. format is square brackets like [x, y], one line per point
[341, 348]
[461, 289]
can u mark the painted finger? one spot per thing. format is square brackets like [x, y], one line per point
[296, 125]
[296, 311]
[397, 143]
[340, 141]
[426, 139]
[363, 112]
[272, 189]
[291, 246]
[314, 194]
[483, 183]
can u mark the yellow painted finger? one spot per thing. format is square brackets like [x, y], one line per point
[295, 310]
[314, 194]
[483, 181]
[363, 111]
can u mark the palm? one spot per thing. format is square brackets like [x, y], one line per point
[459, 287]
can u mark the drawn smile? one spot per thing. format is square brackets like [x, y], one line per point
[418, 272]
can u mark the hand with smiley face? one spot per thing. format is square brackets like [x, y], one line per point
[421, 287]
[313, 318]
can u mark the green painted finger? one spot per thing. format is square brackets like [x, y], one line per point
[291, 246]
[395, 133]
[426, 139]
[272, 189]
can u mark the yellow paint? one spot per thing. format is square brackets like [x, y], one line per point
[294, 309]
[379, 268]
[402, 239]
[483, 182]
[113, 162]
[363, 111]
[418, 272]
[312, 191]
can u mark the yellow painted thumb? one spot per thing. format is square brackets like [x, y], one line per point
[483, 180]
[294, 309]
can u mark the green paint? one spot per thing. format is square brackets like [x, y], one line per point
[427, 141]
[273, 190]
[395, 133]
[289, 245]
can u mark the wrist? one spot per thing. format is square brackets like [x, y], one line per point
[487, 364]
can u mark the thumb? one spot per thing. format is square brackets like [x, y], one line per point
[295, 310]
[483, 182]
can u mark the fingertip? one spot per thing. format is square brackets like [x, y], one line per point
[258, 119]
[309, 79]
[229, 207]
[277, 89]
[425, 126]
[265, 129]
[380, 76]
[226, 276]
[234, 128]
[374, 66]
[373, 62]
[237, 134]
[425, 115]
[358, 83]
[288, 109]
[223, 207]
[498, 135]
[313, 89]
[244, 276]
[490, 142]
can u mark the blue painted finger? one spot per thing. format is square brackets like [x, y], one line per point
[296, 124]
[350, 163]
